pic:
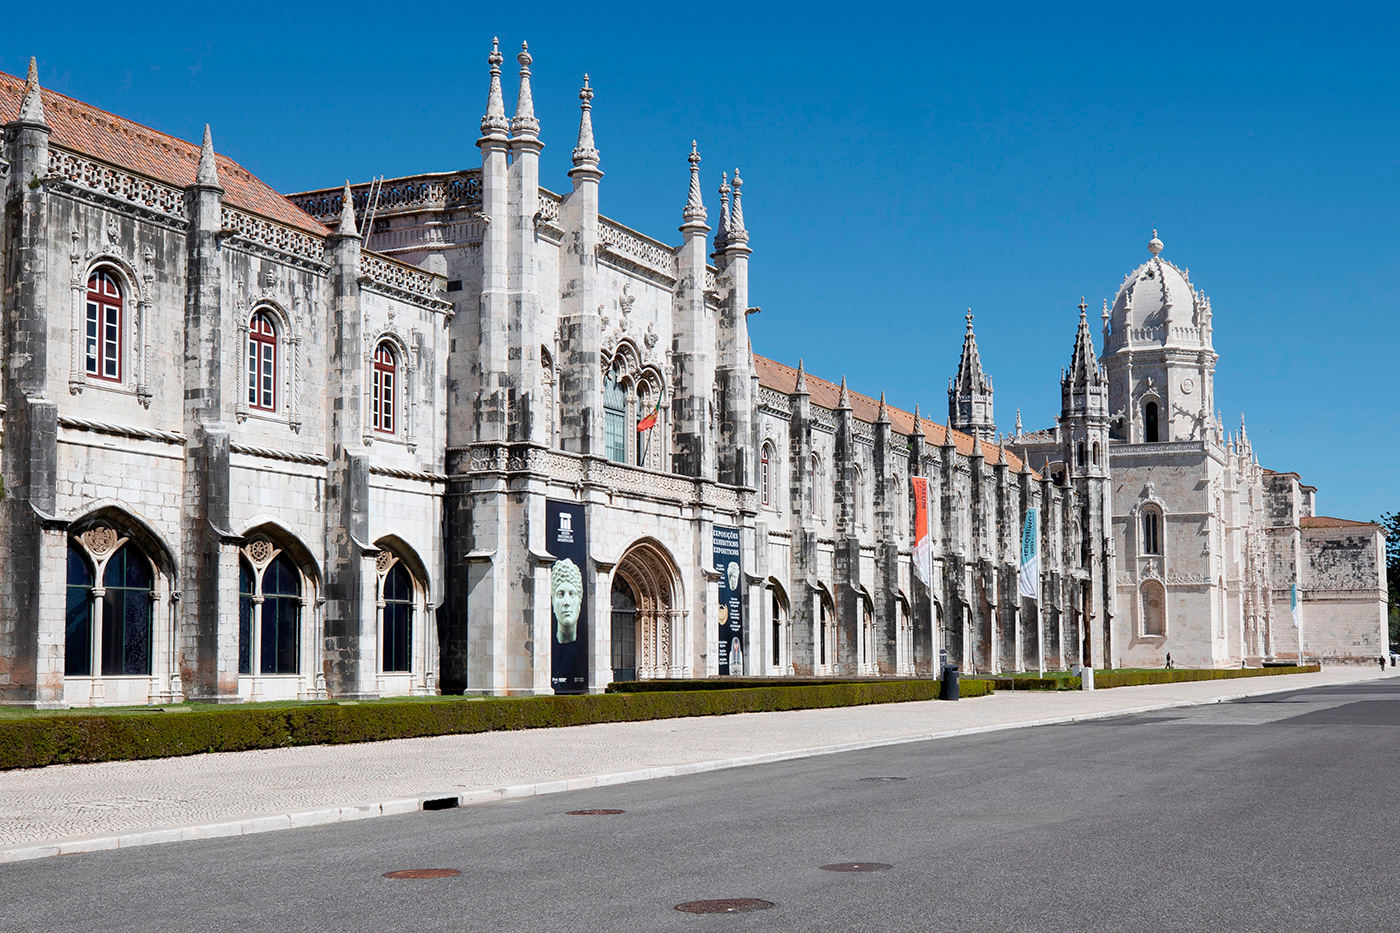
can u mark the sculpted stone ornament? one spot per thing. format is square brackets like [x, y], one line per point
[100, 540]
[566, 598]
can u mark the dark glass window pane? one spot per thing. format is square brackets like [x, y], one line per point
[245, 618]
[398, 619]
[126, 614]
[624, 632]
[77, 646]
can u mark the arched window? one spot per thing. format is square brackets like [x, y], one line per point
[624, 631]
[262, 362]
[821, 632]
[126, 613]
[245, 617]
[814, 487]
[1079, 461]
[1097, 453]
[778, 617]
[1154, 608]
[281, 618]
[103, 335]
[1149, 423]
[385, 388]
[765, 475]
[398, 619]
[614, 416]
[858, 496]
[77, 645]
[1151, 530]
[648, 419]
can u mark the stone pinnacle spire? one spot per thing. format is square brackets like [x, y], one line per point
[844, 402]
[494, 122]
[347, 213]
[737, 232]
[585, 153]
[1019, 431]
[970, 395]
[801, 387]
[722, 234]
[1001, 455]
[208, 173]
[524, 122]
[694, 205]
[31, 108]
[883, 415]
[1084, 365]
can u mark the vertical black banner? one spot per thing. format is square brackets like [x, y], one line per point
[566, 538]
[731, 601]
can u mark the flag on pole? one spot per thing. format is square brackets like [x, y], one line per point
[645, 425]
[1028, 583]
[1294, 605]
[923, 546]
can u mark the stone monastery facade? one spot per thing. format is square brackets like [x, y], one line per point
[457, 432]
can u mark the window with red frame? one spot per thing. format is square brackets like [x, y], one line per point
[764, 477]
[385, 387]
[262, 363]
[103, 334]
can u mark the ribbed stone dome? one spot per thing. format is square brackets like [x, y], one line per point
[1157, 306]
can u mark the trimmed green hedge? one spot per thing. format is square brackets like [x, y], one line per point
[1106, 679]
[1036, 683]
[738, 683]
[39, 741]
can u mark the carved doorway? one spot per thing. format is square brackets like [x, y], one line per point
[645, 574]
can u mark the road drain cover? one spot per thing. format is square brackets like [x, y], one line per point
[858, 866]
[423, 873]
[726, 905]
[885, 779]
[595, 812]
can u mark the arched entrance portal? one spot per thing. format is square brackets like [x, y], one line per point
[646, 625]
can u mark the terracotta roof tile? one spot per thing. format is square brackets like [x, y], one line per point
[781, 378]
[1322, 521]
[117, 141]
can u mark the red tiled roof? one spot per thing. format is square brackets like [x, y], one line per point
[117, 141]
[1322, 521]
[780, 378]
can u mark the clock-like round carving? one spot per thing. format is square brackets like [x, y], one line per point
[1187, 385]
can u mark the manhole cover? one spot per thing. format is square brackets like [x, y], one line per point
[725, 905]
[884, 779]
[858, 866]
[423, 873]
[595, 812]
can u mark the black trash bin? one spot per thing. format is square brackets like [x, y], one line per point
[948, 683]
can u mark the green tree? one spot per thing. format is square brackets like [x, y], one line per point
[1391, 523]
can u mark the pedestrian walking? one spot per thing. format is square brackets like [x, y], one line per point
[1169, 660]
[1382, 662]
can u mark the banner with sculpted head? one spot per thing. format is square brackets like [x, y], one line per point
[567, 540]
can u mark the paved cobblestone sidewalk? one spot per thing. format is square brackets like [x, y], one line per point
[106, 805]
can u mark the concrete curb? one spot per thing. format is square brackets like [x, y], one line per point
[298, 819]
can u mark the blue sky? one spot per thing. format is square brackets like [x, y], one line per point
[902, 163]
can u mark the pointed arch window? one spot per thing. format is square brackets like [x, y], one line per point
[262, 362]
[77, 650]
[1149, 423]
[615, 416]
[814, 487]
[385, 389]
[281, 618]
[1079, 452]
[858, 499]
[398, 619]
[245, 617]
[1098, 453]
[103, 327]
[765, 473]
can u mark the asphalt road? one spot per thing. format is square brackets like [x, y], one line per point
[1275, 813]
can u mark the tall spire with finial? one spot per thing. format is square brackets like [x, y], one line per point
[695, 204]
[844, 402]
[524, 122]
[800, 388]
[208, 172]
[585, 153]
[347, 226]
[737, 231]
[970, 395]
[494, 122]
[1083, 364]
[882, 415]
[31, 107]
[1019, 431]
[722, 232]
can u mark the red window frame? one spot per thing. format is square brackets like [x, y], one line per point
[262, 363]
[102, 345]
[385, 388]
